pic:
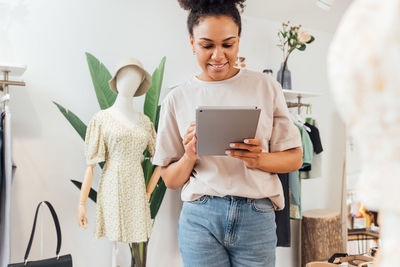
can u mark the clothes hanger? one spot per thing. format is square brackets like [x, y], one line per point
[4, 98]
[300, 120]
[310, 118]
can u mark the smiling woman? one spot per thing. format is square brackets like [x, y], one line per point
[214, 28]
[228, 214]
[216, 48]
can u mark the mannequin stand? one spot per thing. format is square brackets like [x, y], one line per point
[114, 254]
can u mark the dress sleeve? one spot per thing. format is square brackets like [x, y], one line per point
[151, 145]
[95, 148]
[284, 135]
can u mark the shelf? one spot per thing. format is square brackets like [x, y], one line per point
[14, 70]
[362, 234]
[293, 95]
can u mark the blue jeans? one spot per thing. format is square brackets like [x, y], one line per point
[227, 231]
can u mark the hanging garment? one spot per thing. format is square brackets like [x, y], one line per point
[123, 211]
[2, 177]
[315, 138]
[316, 169]
[5, 222]
[295, 195]
[282, 217]
[308, 149]
[294, 177]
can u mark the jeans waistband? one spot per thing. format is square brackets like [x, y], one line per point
[236, 198]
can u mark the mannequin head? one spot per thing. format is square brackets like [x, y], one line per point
[128, 80]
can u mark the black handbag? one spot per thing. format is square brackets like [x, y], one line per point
[58, 261]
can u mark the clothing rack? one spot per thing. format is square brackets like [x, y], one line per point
[297, 105]
[6, 178]
[16, 71]
[291, 95]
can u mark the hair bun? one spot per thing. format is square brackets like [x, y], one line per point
[197, 5]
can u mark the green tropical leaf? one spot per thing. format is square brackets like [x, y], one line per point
[311, 40]
[100, 77]
[157, 118]
[157, 197]
[153, 94]
[76, 123]
[92, 193]
[302, 47]
[147, 167]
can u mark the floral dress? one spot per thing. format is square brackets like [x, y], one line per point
[123, 210]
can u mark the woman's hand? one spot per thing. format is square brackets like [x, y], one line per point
[81, 215]
[189, 142]
[250, 153]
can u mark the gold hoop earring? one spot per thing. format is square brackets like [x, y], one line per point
[240, 63]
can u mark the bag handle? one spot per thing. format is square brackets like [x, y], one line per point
[58, 229]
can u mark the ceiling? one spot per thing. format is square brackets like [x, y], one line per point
[304, 12]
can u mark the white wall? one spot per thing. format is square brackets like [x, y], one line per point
[51, 37]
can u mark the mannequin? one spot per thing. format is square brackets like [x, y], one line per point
[128, 80]
[365, 83]
[127, 123]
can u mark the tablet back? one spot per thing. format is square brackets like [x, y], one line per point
[217, 127]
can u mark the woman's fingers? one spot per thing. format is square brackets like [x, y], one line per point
[191, 131]
[191, 127]
[192, 143]
[252, 148]
[242, 154]
[189, 141]
[254, 142]
[188, 138]
[250, 152]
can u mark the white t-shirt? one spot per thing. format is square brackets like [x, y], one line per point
[223, 175]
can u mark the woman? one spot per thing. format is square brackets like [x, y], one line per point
[228, 215]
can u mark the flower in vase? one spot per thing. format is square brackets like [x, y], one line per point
[290, 39]
[303, 36]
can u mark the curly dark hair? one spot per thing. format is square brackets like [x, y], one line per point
[204, 8]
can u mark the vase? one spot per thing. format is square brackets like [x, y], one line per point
[284, 77]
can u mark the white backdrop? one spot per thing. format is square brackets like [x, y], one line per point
[51, 37]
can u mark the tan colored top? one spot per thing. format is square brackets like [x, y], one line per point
[222, 175]
[123, 211]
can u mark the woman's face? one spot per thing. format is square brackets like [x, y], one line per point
[215, 42]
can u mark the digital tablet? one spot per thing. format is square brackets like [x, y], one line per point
[218, 126]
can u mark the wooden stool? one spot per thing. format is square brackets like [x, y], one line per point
[321, 235]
